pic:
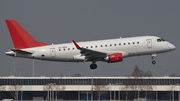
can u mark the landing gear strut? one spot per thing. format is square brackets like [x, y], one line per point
[153, 61]
[93, 66]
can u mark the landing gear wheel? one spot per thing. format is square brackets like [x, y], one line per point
[153, 62]
[93, 66]
[152, 57]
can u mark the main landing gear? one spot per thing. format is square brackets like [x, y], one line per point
[93, 66]
[153, 61]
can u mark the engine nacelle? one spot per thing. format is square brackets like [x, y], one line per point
[116, 57]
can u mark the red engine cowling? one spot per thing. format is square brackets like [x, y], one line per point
[116, 57]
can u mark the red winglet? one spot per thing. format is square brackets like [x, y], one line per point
[77, 46]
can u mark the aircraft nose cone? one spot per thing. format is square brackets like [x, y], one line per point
[171, 46]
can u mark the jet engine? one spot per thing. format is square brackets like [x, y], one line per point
[116, 57]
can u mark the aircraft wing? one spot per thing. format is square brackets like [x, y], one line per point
[90, 54]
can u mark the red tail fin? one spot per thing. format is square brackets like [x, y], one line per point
[21, 39]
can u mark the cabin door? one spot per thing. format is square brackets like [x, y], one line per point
[52, 52]
[149, 43]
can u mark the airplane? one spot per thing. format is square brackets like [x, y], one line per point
[108, 50]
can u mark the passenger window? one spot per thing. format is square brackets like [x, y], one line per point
[124, 43]
[59, 49]
[128, 43]
[105, 45]
[64, 49]
[119, 44]
[133, 43]
[91, 46]
[73, 48]
[114, 44]
[110, 45]
[68, 48]
[101, 45]
[137, 42]
[96, 46]
[86, 46]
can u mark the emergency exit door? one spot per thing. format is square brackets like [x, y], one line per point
[149, 43]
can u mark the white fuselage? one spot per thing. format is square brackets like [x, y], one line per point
[133, 46]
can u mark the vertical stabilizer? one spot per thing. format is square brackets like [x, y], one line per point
[20, 37]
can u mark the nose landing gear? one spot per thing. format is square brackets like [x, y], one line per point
[152, 57]
[153, 62]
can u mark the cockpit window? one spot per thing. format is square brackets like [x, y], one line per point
[163, 39]
[158, 40]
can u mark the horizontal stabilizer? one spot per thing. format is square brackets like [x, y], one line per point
[13, 52]
[21, 51]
